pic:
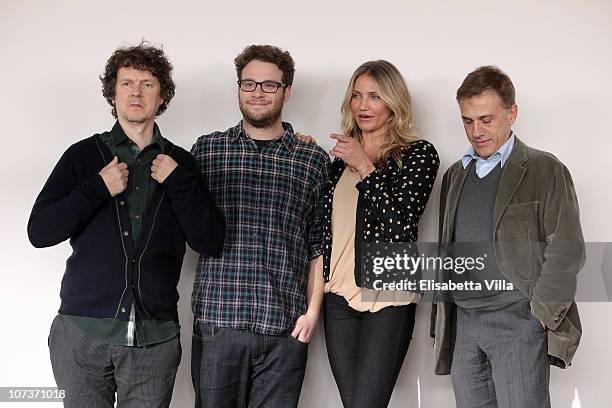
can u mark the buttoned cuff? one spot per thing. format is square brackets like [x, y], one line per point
[551, 313]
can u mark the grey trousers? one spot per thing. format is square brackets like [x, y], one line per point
[500, 359]
[91, 372]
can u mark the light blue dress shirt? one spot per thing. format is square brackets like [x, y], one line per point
[484, 167]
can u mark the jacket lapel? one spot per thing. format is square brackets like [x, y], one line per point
[452, 201]
[512, 175]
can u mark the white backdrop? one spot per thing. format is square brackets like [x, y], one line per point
[556, 52]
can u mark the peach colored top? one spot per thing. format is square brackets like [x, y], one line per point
[342, 263]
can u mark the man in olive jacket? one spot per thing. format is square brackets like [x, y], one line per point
[520, 201]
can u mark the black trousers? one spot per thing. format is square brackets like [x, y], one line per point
[366, 350]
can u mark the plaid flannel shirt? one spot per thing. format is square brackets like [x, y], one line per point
[271, 200]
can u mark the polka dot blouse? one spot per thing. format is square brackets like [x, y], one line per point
[391, 199]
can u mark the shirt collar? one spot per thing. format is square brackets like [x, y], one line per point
[502, 154]
[119, 136]
[287, 138]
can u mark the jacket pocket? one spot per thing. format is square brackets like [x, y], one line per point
[517, 241]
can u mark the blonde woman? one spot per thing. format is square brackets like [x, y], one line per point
[380, 182]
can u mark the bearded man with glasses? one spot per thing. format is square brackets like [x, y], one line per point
[256, 306]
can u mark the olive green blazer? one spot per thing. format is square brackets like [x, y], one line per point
[538, 245]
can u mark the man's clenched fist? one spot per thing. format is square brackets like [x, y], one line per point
[162, 166]
[115, 176]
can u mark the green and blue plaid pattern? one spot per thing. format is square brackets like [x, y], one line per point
[271, 200]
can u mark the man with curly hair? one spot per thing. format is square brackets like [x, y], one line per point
[127, 199]
[257, 305]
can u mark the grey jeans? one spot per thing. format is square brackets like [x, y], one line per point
[91, 372]
[500, 359]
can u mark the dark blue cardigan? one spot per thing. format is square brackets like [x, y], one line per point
[109, 269]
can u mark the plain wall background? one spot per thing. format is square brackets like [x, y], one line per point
[556, 52]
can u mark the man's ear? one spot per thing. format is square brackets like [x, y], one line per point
[287, 93]
[512, 113]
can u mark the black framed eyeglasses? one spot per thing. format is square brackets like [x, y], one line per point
[248, 85]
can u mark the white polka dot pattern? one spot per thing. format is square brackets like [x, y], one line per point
[393, 198]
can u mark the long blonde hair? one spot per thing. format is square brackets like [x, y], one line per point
[392, 89]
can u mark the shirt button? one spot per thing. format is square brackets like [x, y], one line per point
[133, 286]
[123, 310]
[137, 217]
[121, 202]
[137, 188]
[125, 233]
[134, 260]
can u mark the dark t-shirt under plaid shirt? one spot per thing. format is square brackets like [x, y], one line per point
[271, 200]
